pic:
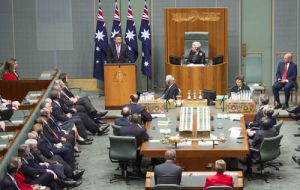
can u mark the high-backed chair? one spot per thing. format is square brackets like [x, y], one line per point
[190, 37]
[268, 152]
[116, 129]
[254, 79]
[278, 126]
[122, 150]
[219, 188]
[167, 187]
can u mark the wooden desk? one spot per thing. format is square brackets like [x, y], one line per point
[195, 156]
[211, 77]
[17, 89]
[196, 180]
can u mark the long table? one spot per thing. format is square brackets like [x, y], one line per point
[196, 155]
[196, 180]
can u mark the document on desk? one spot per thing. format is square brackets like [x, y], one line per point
[3, 146]
[17, 121]
[154, 141]
[165, 131]
[185, 144]
[159, 115]
[235, 132]
[161, 123]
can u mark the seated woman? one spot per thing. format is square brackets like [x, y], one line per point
[171, 90]
[239, 84]
[9, 72]
[220, 179]
[196, 56]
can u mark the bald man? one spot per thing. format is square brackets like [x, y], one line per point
[286, 76]
[125, 119]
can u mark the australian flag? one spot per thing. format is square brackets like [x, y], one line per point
[101, 46]
[131, 36]
[144, 36]
[116, 27]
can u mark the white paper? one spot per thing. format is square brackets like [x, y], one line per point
[6, 137]
[3, 145]
[17, 121]
[207, 143]
[154, 141]
[159, 115]
[184, 144]
[235, 132]
[165, 131]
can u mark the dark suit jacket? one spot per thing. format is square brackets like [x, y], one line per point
[171, 93]
[122, 121]
[134, 130]
[291, 74]
[31, 169]
[236, 88]
[58, 113]
[139, 109]
[113, 56]
[8, 184]
[200, 57]
[260, 135]
[167, 173]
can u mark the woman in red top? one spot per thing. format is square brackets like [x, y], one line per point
[9, 72]
[220, 179]
[19, 177]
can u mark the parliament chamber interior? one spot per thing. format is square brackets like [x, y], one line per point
[149, 94]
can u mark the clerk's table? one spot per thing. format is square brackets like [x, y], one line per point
[195, 155]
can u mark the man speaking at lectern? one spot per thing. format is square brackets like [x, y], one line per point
[118, 52]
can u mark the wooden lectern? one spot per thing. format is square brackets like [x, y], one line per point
[119, 84]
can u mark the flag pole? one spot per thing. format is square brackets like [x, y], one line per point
[147, 83]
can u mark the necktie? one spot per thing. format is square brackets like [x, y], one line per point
[284, 72]
[54, 134]
[118, 50]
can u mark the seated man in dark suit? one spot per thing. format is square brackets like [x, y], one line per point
[37, 174]
[140, 134]
[9, 182]
[220, 179]
[286, 76]
[139, 109]
[239, 85]
[263, 101]
[135, 130]
[266, 130]
[118, 52]
[81, 104]
[171, 90]
[196, 56]
[7, 108]
[125, 120]
[168, 172]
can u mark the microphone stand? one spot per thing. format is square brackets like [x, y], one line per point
[166, 108]
[223, 103]
[223, 100]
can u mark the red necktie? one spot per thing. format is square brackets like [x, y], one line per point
[285, 72]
